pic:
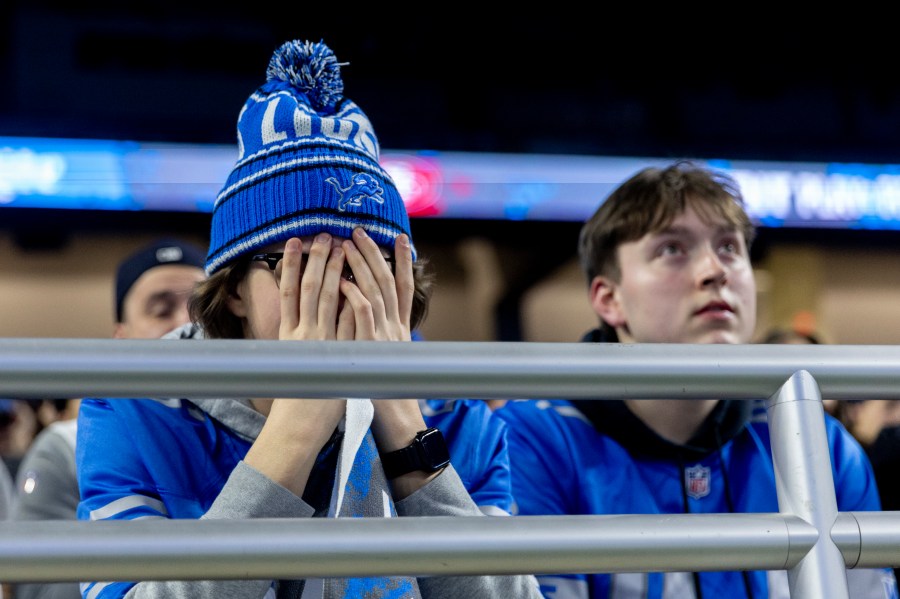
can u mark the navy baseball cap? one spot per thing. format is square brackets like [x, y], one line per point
[160, 253]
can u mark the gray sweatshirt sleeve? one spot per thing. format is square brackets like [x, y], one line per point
[446, 496]
[7, 492]
[47, 489]
[47, 484]
[246, 494]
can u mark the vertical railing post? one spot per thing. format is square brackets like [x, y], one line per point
[805, 484]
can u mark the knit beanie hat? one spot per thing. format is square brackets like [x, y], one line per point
[307, 163]
[158, 253]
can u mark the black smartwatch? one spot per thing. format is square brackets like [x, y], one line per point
[428, 453]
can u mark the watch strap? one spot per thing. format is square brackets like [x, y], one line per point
[427, 453]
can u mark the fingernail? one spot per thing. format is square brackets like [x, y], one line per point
[323, 238]
[403, 239]
[360, 232]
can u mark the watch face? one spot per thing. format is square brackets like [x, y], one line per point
[434, 449]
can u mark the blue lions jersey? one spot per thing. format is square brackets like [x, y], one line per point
[170, 459]
[563, 465]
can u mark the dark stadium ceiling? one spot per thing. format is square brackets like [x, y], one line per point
[452, 78]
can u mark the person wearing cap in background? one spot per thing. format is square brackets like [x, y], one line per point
[310, 240]
[152, 288]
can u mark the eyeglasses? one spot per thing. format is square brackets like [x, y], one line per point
[274, 260]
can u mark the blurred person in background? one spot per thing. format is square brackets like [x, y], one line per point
[152, 287]
[867, 419]
[7, 489]
[790, 337]
[884, 453]
[19, 424]
[7, 502]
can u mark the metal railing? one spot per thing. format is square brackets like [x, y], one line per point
[809, 537]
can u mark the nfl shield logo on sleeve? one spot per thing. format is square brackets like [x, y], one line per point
[696, 480]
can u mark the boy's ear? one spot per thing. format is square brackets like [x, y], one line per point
[236, 303]
[604, 297]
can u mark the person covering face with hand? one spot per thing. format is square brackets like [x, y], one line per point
[329, 302]
[666, 259]
[310, 240]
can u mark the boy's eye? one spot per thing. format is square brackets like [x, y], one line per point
[669, 249]
[730, 247]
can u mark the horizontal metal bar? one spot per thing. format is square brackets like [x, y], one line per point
[868, 539]
[37, 368]
[56, 551]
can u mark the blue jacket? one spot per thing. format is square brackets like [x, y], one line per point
[596, 457]
[478, 450]
[183, 459]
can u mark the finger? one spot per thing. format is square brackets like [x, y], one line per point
[373, 275]
[346, 326]
[311, 284]
[363, 320]
[330, 294]
[403, 278]
[379, 267]
[289, 286]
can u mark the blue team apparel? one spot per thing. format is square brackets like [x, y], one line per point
[478, 448]
[173, 458]
[596, 457]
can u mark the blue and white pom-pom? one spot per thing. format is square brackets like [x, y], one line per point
[310, 67]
